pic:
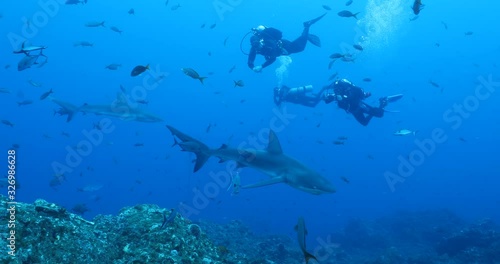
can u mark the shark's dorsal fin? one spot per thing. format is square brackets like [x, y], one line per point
[274, 145]
[224, 146]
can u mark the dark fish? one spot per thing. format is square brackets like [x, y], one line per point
[213, 26]
[345, 179]
[208, 128]
[7, 123]
[25, 102]
[462, 139]
[169, 219]
[469, 33]
[444, 25]
[202, 25]
[225, 41]
[346, 13]
[348, 3]
[232, 69]
[95, 24]
[437, 44]
[342, 138]
[367, 80]
[66, 134]
[333, 76]
[139, 145]
[209, 53]
[44, 95]
[193, 74]
[336, 56]
[242, 101]
[115, 29]
[417, 7]
[331, 64]
[358, 47]
[338, 142]
[131, 11]
[434, 84]
[138, 70]
[175, 7]
[113, 66]
[239, 83]
[327, 7]
[142, 101]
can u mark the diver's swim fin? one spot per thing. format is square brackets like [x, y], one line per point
[314, 40]
[311, 22]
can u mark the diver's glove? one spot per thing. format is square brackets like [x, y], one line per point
[257, 69]
[328, 98]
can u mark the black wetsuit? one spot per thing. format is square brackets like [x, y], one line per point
[352, 102]
[269, 43]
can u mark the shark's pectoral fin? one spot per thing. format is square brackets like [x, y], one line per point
[201, 158]
[264, 183]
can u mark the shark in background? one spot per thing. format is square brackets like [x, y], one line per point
[271, 161]
[120, 108]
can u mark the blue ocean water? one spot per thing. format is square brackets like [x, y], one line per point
[459, 173]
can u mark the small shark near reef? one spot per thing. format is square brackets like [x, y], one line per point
[271, 161]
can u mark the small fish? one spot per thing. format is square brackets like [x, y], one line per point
[83, 44]
[358, 47]
[113, 66]
[142, 101]
[239, 83]
[348, 3]
[367, 80]
[7, 123]
[169, 219]
[6, 66]
[437, 44]
[44, 95]
[175, 7]
[95, 24]
[139, 145]
[413, 18]
[202, 25]
[232, 69]
[462, 139]
[404, 132]
[166, 3]
[34, 84]
[75, 2]
[24, 102]
[5, 91]
[327, 7]
[225, 41]
[336, 56]
[417, 7]
[344, 179]
[209, 53]
[208, 128]
[344, 138]
[338, 142]
[122, 88]
[117, 30]
[301, 237]
[444, 25]
[434, 84]
[346, 13]
[193, 74]
[138, 70]
[66, 134]
[347, 58]
[90, 188]
[131, 11]
[333, 76]
[469, 33]
[330, 65]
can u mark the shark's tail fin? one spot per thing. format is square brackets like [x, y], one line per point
[309, 256]
[191, 144]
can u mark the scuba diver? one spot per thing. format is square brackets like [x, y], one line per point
[268, 42]
[350, 98]
[299, 95]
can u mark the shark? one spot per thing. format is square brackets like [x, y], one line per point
[270, 161]
[118, 109]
